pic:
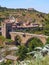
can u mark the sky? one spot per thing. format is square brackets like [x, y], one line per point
[40, 5]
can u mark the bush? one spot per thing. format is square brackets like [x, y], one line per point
[22, 52]
[9, 40]
[47, 42]
[2, 38]
[34, 43]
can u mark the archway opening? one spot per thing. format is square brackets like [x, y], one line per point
[34, 42]
[18, 40]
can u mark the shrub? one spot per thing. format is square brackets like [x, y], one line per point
[47, 42]
[22, 52]
[34, 42]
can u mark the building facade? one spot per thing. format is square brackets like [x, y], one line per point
[12, 25]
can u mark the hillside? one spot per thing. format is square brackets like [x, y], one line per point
[24, 14]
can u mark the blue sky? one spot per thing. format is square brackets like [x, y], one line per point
[40, 5]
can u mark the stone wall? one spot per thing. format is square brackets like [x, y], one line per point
[28, 36]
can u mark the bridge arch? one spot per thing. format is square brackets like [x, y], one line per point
[34, 40]
[28, 36]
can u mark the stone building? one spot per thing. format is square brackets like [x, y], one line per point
[13, 25]
[6, 27]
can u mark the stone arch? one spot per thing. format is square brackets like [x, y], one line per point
[31, 38]
[27, 36]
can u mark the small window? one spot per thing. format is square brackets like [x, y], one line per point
[24, 35]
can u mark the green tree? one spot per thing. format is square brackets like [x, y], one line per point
[9, 40]
[8, 62]
[23, 14]
[22, 52]
[46, 29]
[2, 38]
[34, 42]
[47, 42]
[2, 63]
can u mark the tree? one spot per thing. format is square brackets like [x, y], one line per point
[47, 42]
[3, 63]
[8, 62]
[2, 40]
[23, 14]
[9, 40]
[22, 52]
[34, 42]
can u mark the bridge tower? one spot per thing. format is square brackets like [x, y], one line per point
[6, 28]
[3, 29]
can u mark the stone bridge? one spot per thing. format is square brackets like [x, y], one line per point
[27, 36]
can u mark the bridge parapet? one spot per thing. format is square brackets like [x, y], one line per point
[28, 36]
